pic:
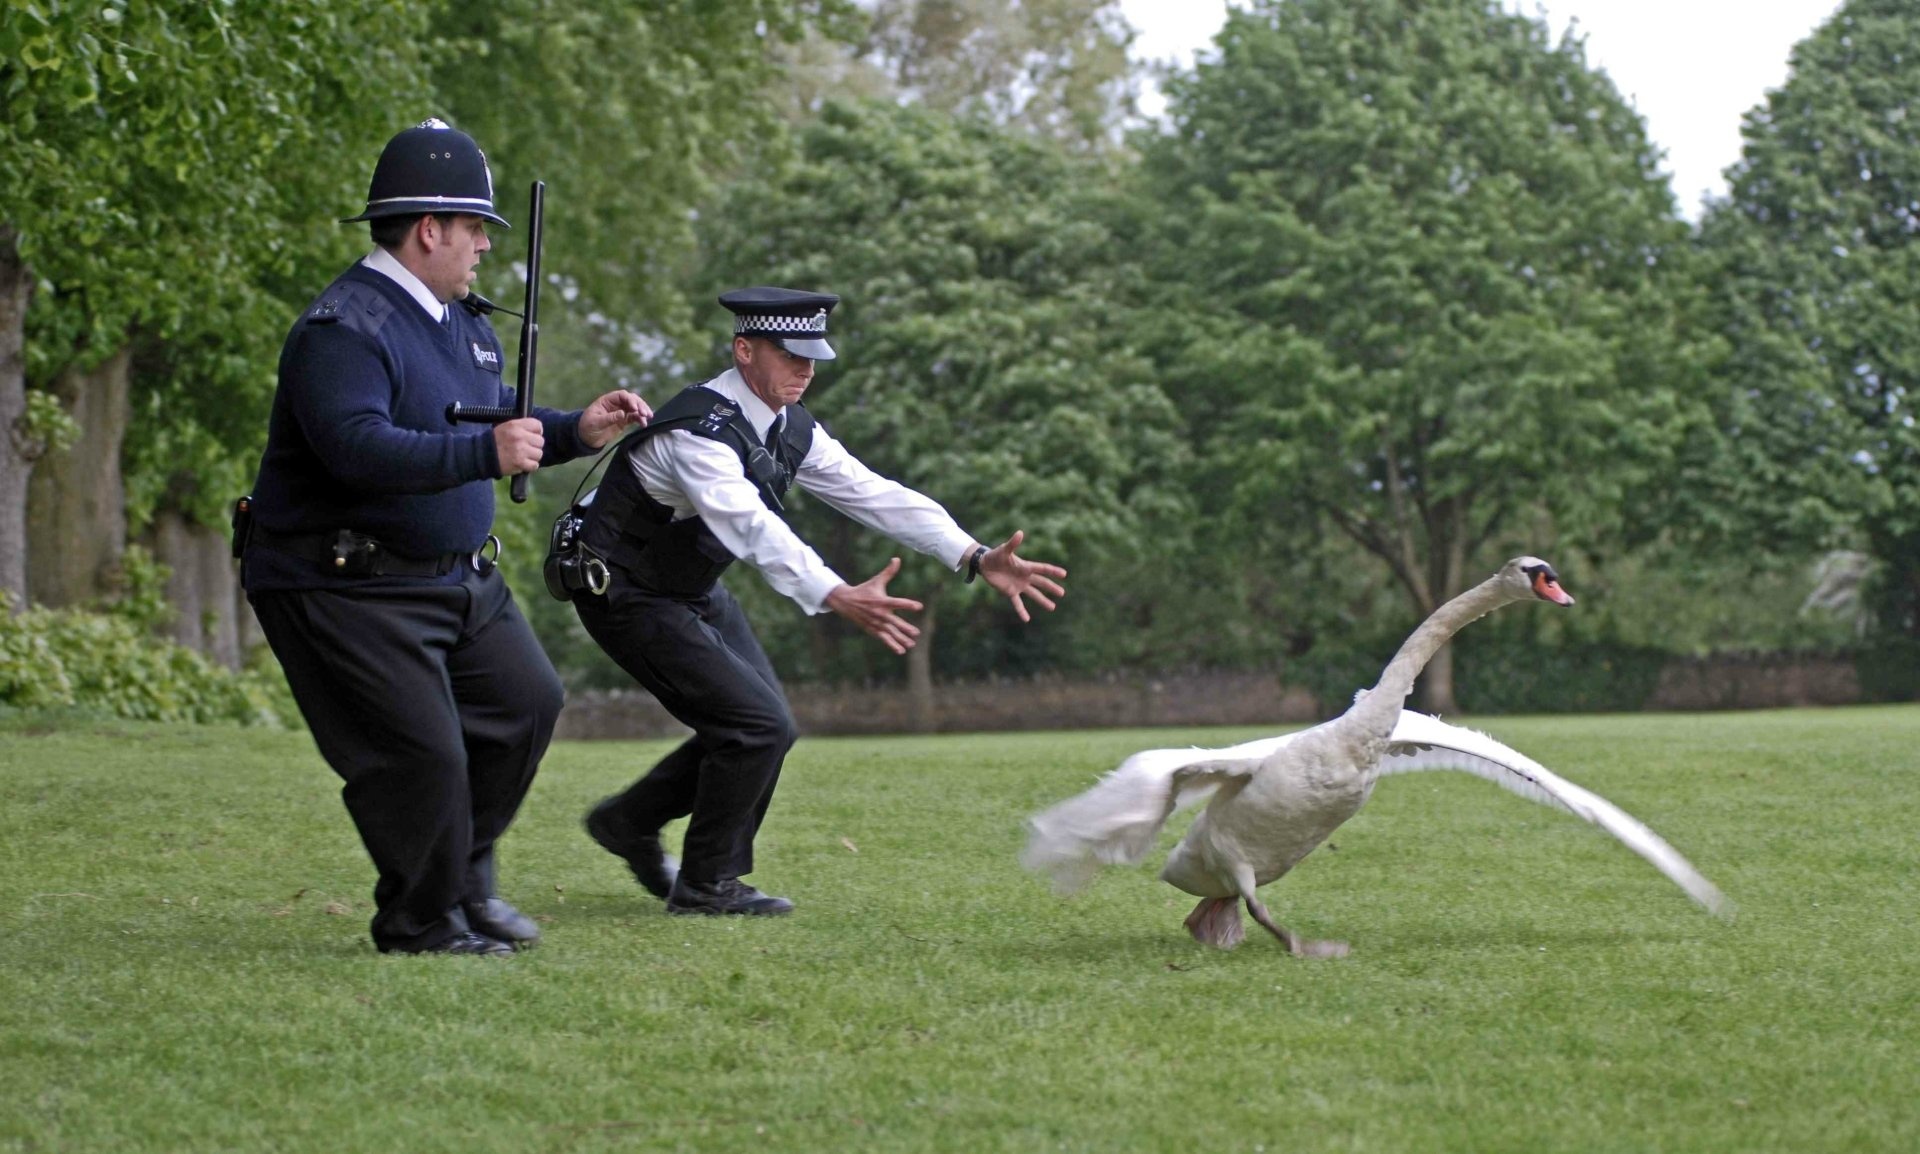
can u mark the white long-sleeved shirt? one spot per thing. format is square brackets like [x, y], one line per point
[699, 477]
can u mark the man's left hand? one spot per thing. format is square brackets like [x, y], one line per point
[610, 416]
[1018, 578]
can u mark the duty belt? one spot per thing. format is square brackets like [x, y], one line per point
[352, 554]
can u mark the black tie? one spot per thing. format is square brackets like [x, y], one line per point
[773, 430]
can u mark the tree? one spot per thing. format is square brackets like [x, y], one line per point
[630, 113]
[1056, 67]
[1819, 276]
[1426, 277]
[173, 173]
[982, 361]
[156, 168]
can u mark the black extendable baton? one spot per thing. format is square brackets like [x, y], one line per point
[529, 342]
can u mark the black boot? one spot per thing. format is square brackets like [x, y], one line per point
[496, 919]
[652, 867]
[724, 896]
[468, 944]
[490, 915]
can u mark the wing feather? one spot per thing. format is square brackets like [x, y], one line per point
[1116, 821]
[1420, 743]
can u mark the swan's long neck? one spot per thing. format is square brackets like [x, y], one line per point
[1378, 711]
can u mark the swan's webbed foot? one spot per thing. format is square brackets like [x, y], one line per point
[1296, 945]
[1216, 922]
[1318, 948]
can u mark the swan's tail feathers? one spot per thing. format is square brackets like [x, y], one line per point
[1420, 742]
[1116, 821]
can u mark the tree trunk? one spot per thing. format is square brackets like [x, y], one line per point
[1435, 693]
[1447, 561]
[76, 500]
[923, 715]
[210, 610]
[17, 451]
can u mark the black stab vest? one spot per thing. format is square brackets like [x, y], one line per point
[629, 529]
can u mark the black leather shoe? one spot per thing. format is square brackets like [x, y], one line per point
[468, 943]
[496, 919]
[725, 896]
[652, 866]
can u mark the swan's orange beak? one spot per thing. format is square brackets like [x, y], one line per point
[1548, 589]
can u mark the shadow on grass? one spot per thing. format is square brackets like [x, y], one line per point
[606, 908]
[1083, 945]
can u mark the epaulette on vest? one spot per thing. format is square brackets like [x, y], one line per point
[356, 306]
[698, 410]
[705, 412]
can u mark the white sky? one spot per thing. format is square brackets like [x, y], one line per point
[1692, 67]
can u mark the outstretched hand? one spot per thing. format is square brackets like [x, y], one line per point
[609, 415]
[1017, 578]
[869, 606]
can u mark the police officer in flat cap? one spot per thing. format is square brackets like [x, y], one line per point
[700, 486]
[367, 562]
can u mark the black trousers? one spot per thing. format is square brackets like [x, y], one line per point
[434, 704]
[701, 660]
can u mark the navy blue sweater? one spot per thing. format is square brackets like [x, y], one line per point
[359, 437]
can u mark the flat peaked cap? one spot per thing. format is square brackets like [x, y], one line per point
[794, 320]
[431, 167]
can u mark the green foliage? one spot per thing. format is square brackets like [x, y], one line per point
[173, 170]
[110, 663]
[187, 947]
[1401, 292]
[1818, 272]
[157, 158]
[1889, 669]
[629, 115]
[1509, 671]
[1635, 614]
[627, 118]
[48, 425]
[143, 590]
[1056, 68]
[1423, 277]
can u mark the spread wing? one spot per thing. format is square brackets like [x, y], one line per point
[1116, 821]
[1420, 742]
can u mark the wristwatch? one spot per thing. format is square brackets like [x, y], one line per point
[973, 564]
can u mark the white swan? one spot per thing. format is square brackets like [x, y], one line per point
[1275, 799]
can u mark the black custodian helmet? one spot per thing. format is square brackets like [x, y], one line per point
[431, 167]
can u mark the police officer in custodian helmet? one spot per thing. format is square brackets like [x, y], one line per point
[367, 562]
[683, 498]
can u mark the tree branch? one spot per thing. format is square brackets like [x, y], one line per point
[1368, 537]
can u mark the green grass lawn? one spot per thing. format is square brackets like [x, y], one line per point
[184, 963]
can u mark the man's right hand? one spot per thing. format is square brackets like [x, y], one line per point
[868, 606]
[520, 444]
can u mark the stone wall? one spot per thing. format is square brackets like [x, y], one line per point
[1732, 681]
[1755, 681]
[1041, 703]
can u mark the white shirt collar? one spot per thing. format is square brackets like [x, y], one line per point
[382, 261]
[731, 384]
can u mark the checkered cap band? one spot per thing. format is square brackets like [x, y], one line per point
[812, 326]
